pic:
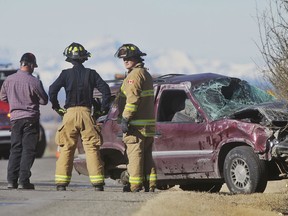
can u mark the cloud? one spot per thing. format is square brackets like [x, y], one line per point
[5, 56]
[172, 62]
[159, 62]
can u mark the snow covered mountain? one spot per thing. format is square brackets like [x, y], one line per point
[159, 62]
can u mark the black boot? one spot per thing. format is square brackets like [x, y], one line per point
[12, 185]
[152, 189]
[61, 188]
[99, 187]
[126, 188]
[26, 186]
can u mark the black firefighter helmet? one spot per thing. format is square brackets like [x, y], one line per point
[129, 51]
[76, 51]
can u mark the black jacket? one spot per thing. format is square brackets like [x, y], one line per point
[79, 83]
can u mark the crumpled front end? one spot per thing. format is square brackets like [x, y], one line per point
[274, 117]
[280, 147]
[279, 151]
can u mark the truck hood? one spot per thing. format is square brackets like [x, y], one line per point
[274, 113]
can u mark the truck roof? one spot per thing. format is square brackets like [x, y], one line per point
[195, 79]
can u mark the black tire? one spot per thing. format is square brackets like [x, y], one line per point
[6, 154]
[203, 187]
[41, 145]
[264, 179]
[244, 172]
[5, 151]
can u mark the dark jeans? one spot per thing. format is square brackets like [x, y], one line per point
[24, 138]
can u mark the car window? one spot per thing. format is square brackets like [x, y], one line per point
[224, 96]
[188, 114]
[175, 106]
[4, 74]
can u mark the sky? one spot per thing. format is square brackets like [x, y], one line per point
[212, 30]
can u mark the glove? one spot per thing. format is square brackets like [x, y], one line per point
[124, 125]
[61, 111]
[97, 113]
[104, 111]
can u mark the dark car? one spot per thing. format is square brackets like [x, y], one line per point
[210, 130]
[5, 126]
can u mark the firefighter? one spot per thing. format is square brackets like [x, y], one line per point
[79, 83]
[136, 103]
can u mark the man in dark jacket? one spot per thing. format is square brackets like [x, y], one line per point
[79, 83]
[24, 93]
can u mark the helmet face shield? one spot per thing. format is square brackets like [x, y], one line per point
[129, 51]
[122, 52]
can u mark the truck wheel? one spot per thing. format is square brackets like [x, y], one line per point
[41, 145]
[6, 154]
[244, 172]
[263, 182]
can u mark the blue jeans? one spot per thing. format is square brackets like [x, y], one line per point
[24, 138]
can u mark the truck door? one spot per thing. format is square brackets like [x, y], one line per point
[182, 136]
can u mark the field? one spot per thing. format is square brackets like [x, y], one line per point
[274, 201]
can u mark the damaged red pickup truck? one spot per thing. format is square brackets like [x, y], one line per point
[210, 130]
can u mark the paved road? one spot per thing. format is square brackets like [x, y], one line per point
[79, 199]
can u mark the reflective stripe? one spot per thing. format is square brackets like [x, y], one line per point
[143, 122]
[144, 93]
[151, 177]
[147, 93]
[122, 92]
[97, 179]
[135, 180]
[131, 107]
[148, 134]
[62, 179]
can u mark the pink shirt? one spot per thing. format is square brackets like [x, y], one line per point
[24, 93]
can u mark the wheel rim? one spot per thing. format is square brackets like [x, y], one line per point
[240, 174]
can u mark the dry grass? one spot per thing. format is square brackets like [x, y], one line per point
[177, 202]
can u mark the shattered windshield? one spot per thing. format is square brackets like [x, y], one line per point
[224, 96]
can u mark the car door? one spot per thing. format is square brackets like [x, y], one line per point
[182, 141]
[113, 149]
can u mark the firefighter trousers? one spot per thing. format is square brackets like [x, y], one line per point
[140, 166]
[77, 122]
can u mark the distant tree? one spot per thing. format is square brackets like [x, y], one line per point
[273, 28]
